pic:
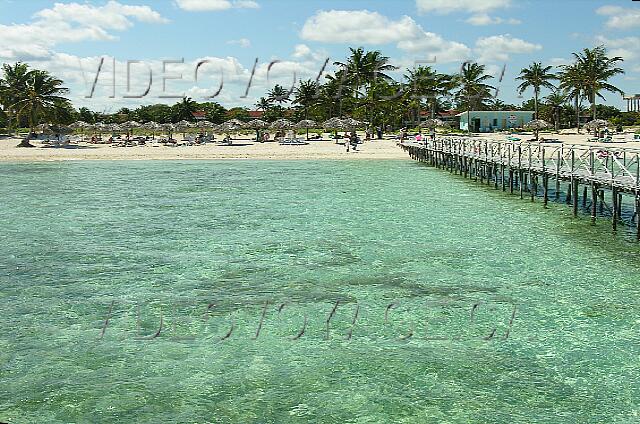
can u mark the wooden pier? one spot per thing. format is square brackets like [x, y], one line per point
[540, 169]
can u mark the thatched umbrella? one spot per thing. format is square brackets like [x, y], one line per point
[205, 124]
[184, 126]
[334, 124]
[257, 124]
[151, 126]
[282, 124]
[129, 126]
[351, 123]
[80, 125]
[536, 125]
[306, 124]
[232, 125]
[433, 123]
[44, 128]
[595, 125]
[169, 128]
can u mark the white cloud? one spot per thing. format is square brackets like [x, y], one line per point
[79, 73]
[243, 42]
[112, 15]
[620, 17]
[482, 19]
[366, 27]
[215, 5]
[628, 47]
[301, 50]
[471, 6]
[557, 61]
[70, 22]
[498, 47]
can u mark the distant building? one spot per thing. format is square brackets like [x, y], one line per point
[633, 102]
[447, 116]
[491, 120]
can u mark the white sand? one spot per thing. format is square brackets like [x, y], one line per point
[242, 149]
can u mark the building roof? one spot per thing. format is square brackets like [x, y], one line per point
[495, 111]
[443, 113]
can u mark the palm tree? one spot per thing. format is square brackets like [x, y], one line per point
[12, 87]
[183, 110]
[306, 95]
[363, 69]
[424, 82]
[263, 104]
[596, 69]
[41, 97]
[556, 100]
[471, 83]
[536, 76]
[572, 81]
[278, 94]
[354, 68]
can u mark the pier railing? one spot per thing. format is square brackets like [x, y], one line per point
[527, 167]
[617, 166]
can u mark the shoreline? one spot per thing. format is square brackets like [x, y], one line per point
[245, 149]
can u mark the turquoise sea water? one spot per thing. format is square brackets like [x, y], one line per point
[203, 246]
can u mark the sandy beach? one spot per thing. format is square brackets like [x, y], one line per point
[240, 149]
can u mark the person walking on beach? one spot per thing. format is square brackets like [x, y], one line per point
[353, 139]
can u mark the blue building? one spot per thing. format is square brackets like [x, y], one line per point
[491, 120]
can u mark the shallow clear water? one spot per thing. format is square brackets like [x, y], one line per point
[205, 244]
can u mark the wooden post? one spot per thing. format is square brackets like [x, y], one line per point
[614, 197]
[559, 159]
[504, 184]
[520, 182]
[638, 213]
[545, 187]
[594, 199]
[511, 180]
[601, 195]
[534, 186]
[584, 197]
[619, 205]
[575, 188]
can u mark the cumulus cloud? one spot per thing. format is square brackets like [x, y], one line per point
[627, 47]
[215, 5]
[366, 27]
[79, 74]
[242, 42]
[558, 61]
[499, 47]
[471, 6]
[620, 17]
[482, 19]
[70, 22]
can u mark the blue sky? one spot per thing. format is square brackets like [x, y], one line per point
[70, 38]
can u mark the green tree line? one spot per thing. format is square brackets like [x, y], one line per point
[361, 88]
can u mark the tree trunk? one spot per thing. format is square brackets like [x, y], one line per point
[593, 111]
[535, 104]
[578, 113]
